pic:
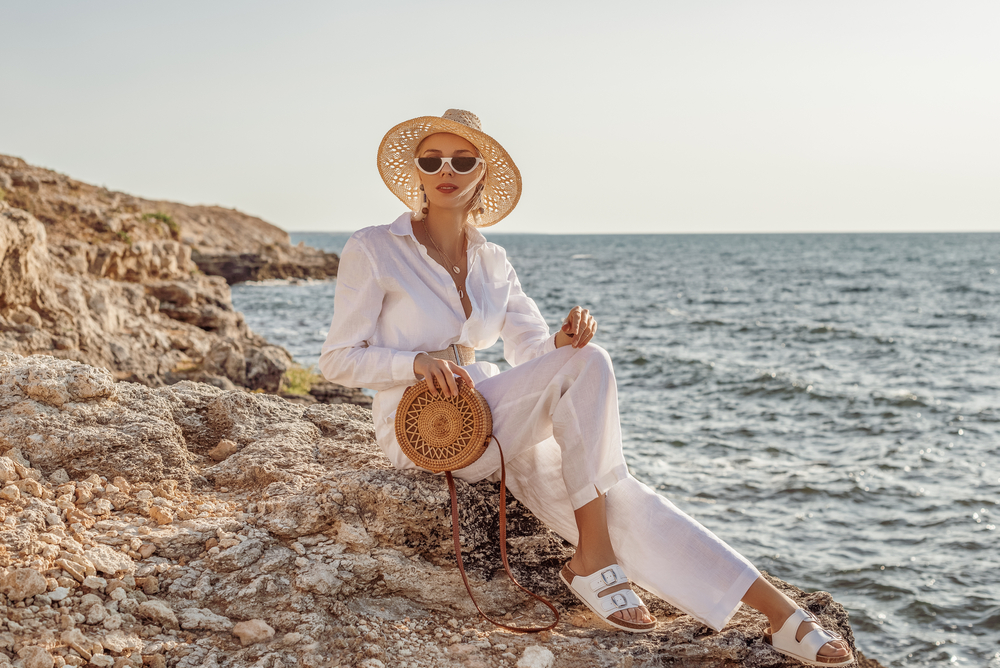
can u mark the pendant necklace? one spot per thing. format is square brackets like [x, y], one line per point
[454, 267]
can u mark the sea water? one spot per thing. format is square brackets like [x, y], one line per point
[827, 404]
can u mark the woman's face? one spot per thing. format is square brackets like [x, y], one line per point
[447, 189]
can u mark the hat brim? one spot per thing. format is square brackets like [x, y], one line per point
[501, 190]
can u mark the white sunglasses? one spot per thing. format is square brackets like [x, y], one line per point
[462, 164]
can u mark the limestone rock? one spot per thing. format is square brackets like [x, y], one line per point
[109, 561]
[120, 641]
[102, 661]
[253, 631]
[22, 583]
[76, 640]
[317, 550]
[35, 657]
[202, 618]
[7, 471]
[74, 417]
[536, 656]
[161, 515]
[112, 280]
[159, 612]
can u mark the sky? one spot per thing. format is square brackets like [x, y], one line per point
[642, 117]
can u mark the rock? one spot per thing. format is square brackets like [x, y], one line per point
[201, 618]
[222, 450]
[332, 393]
[59, 593]
[121, 641]
[265, 367]
[238, 556]
[10, 493]
[253, 631]
[35, 657]
[535, 656]
[102, 661]
[155, 661]
[120, 429]
[109, 279]
[371, 663]
[161, 515]
[277, 261]
[22, 583]
[160, 613]
[75, 639]
[109, 561]
[305, 526]
[96, 614]
[7, 471]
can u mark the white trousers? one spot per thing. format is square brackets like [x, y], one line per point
[556, 418]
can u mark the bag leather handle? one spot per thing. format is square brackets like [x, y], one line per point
[503, 550]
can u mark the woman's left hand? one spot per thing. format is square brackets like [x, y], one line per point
[578, 328]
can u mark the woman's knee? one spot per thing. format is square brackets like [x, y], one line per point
[593, 354]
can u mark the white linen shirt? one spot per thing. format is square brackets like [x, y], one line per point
[393, 301]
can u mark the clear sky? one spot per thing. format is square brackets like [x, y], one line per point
[696, 116]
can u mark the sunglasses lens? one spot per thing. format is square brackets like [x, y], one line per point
[429, 165]
[463, 165]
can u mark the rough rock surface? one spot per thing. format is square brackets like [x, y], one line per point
[85, 221]
[108, 279]
[300, 548]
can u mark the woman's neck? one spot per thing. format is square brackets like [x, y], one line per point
[448, 228]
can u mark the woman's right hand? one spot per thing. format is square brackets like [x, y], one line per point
[440, 374]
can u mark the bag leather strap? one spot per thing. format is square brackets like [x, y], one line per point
[503, 550]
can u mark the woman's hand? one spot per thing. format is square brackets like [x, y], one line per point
[578, 328]
[440, 374]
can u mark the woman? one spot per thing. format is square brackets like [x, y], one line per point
[416, 298]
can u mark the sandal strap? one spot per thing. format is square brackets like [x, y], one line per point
[620, 600]
[589, 587]
[611, 576]
[814, 640]
[811, 642]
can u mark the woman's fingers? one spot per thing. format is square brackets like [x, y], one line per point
[580, 326]
[464, 375]
[586, 335]
[440, 375]
[452, 384]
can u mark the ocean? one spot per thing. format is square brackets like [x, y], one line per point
[829, 404]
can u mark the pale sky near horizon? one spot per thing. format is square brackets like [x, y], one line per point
[622, 116]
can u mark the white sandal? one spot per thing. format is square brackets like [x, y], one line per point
[589, 587]
[807, 649]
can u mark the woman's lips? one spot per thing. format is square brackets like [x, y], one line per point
[447, 188]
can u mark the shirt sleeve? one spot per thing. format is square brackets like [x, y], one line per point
[346, 358]
[525, 333]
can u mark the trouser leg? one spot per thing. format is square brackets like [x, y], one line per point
[569, 395]
[661, 548]
[557, 419]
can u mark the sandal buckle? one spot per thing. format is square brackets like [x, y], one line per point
[619, 600]
[609, 577]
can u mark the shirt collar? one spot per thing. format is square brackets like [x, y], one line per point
[403, 227]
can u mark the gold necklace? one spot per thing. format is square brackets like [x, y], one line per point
[454, 265]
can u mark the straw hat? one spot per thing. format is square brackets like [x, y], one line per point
[501, 189]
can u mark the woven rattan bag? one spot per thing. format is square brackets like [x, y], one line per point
[441, 433]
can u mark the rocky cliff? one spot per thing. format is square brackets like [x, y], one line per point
[190, 525]
[220, 242]
[108, 279]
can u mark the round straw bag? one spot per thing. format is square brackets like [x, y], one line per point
[441, 433]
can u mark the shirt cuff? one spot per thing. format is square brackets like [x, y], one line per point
[550, 343]
[402, 367]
